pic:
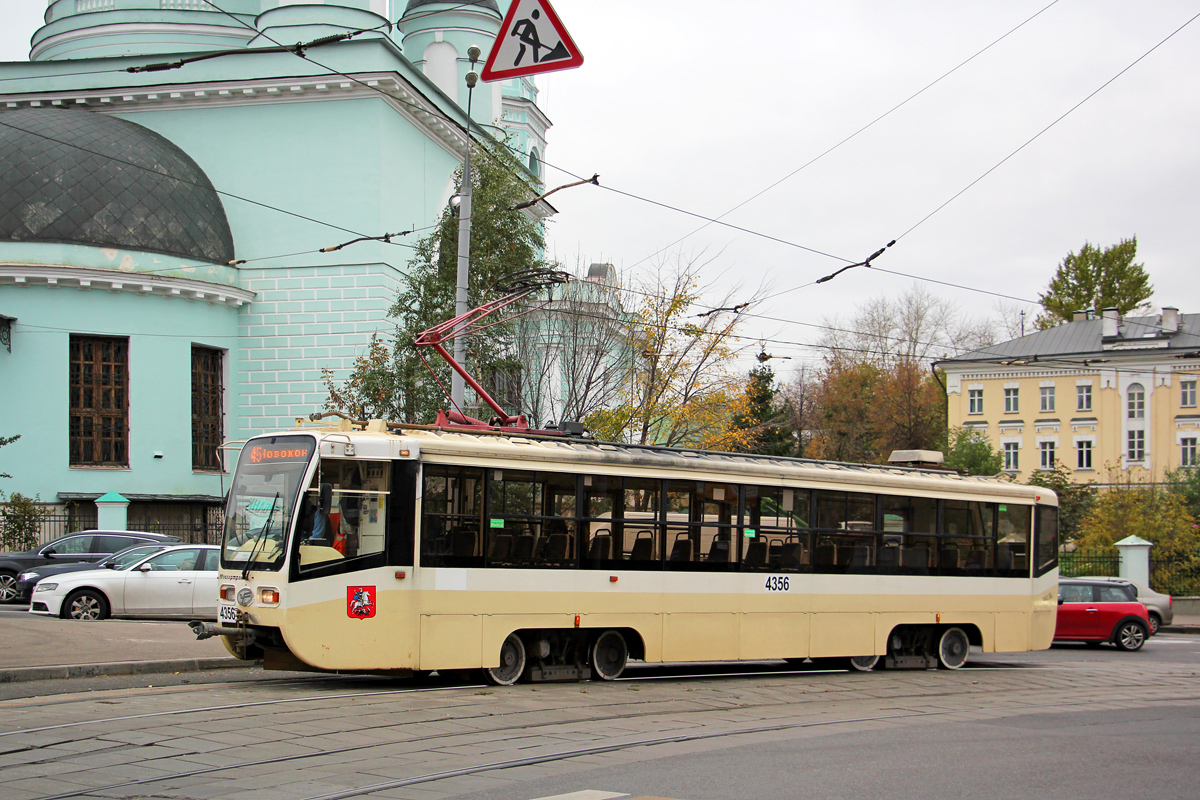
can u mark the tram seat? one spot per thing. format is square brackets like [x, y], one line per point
[682, 549]
[948, 558]
[889, 558]
[976, 559]
[643, 549]
[502, 546]
[756, 555]
[462, 542]
[558, 548]
[775, 553]
[718, 552]
[791, 555]
[824, 555]
[860, 559]
[601, 547]
[845, 553]
[523, 548]
[1004, 557]
[914, 558]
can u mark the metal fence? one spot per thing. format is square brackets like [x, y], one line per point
[1084, 562]
[1178, 576]
[206, 532]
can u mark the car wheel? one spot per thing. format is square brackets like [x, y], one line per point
[8, 587]
[86, 604]
[1130, 635]
[1155, 623]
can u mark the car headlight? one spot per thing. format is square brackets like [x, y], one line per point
[45, 587]
[27, 576]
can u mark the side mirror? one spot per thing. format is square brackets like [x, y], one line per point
[326, 498]
[48, 552]
[1060, 600]
[145, 568]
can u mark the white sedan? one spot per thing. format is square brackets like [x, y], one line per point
[179, 582]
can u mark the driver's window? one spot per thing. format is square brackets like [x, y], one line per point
[349, 519]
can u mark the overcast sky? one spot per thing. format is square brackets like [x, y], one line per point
[700, 105]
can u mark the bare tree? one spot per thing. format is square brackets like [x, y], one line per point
[914, 328]
[574, 349]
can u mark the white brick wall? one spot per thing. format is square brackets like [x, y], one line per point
[304, 319]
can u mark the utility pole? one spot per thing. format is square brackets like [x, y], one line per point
[458, 387]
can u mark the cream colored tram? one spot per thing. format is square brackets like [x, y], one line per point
[539, 557]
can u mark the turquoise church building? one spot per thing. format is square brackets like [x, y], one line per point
[176, 177]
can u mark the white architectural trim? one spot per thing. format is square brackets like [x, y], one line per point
[129, 282]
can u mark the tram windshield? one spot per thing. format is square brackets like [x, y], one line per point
[259, 513]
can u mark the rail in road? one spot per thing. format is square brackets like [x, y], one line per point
[331, 739]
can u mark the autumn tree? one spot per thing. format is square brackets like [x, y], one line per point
[406, 385]
[800, 407]
[1150, 512]
[683, 390]
[845, 430]
[909, 412]
[1095, 278]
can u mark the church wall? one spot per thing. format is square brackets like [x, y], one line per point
[34, 392]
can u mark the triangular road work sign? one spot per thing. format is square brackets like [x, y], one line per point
[531, 40]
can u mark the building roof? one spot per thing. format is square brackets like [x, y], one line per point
[1084, 339]
[87, 178]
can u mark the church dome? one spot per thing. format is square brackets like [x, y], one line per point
[81, 177]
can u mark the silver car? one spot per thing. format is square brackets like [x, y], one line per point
[1157, 604]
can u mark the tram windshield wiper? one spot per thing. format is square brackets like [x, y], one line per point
[262, 535]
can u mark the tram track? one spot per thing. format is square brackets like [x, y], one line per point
[593, 750]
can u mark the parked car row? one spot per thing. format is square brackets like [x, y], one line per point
[74, 548]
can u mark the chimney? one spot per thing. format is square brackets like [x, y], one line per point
[1078, 316]
[1170, 320]
[1112, 323]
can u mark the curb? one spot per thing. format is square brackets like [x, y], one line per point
[1190, 629]
[18, 674]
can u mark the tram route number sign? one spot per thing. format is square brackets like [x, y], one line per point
[778, 583]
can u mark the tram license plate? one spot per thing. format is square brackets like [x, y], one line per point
[227, 614]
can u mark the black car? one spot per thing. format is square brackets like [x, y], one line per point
[28, 579]
[86, 546]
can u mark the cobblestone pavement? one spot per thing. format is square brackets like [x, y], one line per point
[299, 740]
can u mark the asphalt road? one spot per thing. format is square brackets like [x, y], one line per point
[1066, 723]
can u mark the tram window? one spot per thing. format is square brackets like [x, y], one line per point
[965, 546]
[1012, 548]
[640, 535]
[602, 526]
[846, 541]
[775, 535]
[451, 516]
[531, 519]
[1047, 539]
[343, 514]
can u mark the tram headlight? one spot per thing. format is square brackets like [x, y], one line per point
[268, 597]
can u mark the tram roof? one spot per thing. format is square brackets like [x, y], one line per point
[582, 451]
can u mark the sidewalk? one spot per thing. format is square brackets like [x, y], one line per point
[37, 648]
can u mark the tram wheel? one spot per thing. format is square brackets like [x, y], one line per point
[953, 648]
[863, 663]
[512, 663]
[609, 656]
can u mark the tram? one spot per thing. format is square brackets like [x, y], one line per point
[367, 546]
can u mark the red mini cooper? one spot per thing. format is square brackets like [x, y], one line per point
[1096, 612]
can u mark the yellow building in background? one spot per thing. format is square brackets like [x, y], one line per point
[1111, 398]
